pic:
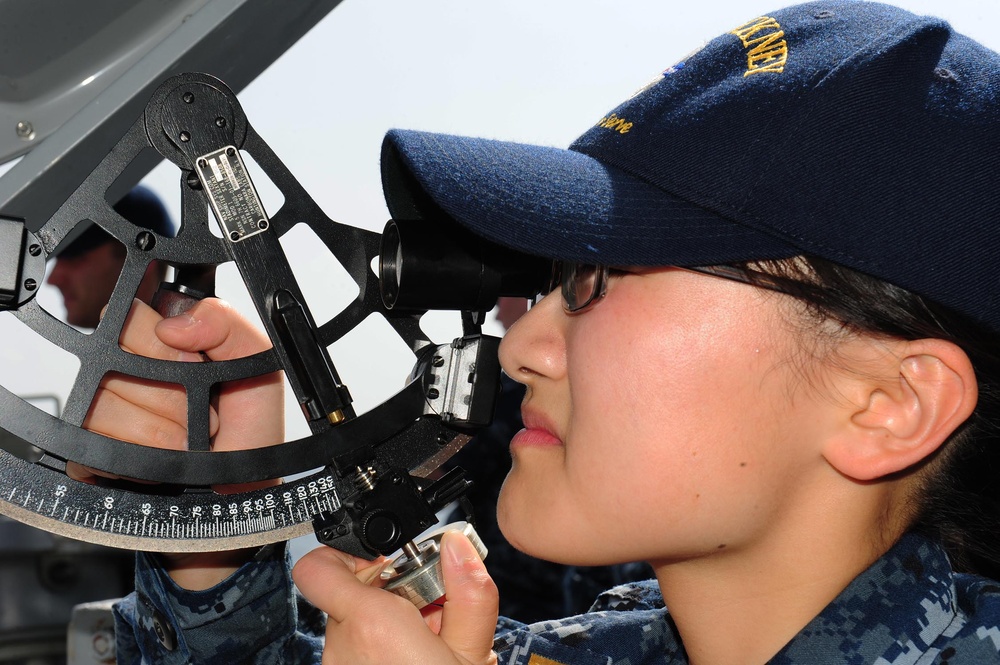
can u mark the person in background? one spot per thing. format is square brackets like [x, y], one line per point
[86, 270]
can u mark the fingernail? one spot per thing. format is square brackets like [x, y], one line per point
[457, 549]
[373, 576]
[179, 322]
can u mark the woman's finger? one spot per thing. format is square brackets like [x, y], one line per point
[469, 616]
[118, 417]
[322, 574]
[251, 411]
[213, 327]
[138, 410]
[139, 337]
[369, 625]
[161, 399]
[85, 474]
[327, 577]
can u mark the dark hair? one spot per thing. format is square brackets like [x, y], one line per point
[959, 504]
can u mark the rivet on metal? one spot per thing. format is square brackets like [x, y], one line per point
[25, 130]
[145, 241]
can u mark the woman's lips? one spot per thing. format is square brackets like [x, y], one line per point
[538, 430]
[534, 437]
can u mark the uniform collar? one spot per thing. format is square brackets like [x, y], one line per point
[899, 606]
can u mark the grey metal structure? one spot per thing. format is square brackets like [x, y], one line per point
[73, 78]
[136, 44]
[56, 57]
[42, 577]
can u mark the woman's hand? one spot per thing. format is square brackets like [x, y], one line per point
[370, 626]
[248, 414]
[155, 414]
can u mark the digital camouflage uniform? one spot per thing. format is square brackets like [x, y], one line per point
[909, 608]
[254, 616]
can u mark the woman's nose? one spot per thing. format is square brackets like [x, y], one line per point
[535, 345]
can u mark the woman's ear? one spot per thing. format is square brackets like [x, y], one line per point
[904, 409]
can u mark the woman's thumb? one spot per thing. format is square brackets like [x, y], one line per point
[469, 616]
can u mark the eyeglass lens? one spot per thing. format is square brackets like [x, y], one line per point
[581, 283]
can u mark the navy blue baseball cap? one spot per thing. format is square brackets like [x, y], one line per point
[854, 131]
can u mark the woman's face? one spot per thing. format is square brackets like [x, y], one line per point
[676, 418]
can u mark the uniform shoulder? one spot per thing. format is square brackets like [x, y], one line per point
[978, 598]
[644, 595]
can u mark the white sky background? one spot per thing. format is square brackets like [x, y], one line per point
[526, 70]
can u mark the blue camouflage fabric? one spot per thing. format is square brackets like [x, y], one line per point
[908, 608]
[254, 616]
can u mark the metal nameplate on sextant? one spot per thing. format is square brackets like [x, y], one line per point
[231, 193]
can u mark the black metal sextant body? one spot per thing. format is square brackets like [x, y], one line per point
[361, 481]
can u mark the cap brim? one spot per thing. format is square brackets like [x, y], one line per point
[560, 204]
[91, 237]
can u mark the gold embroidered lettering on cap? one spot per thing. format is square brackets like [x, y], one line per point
[768, 50]
[614, 123]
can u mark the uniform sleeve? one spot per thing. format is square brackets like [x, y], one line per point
[254, 616]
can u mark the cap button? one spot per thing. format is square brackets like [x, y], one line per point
[945, 74]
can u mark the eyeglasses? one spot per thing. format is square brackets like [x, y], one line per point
[584, 284]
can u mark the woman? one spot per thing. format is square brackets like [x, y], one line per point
[767, 366]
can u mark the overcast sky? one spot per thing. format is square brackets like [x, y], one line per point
[529, 70]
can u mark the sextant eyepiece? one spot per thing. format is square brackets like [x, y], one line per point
[437, 264]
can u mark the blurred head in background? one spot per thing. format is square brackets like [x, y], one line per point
[86, 270]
